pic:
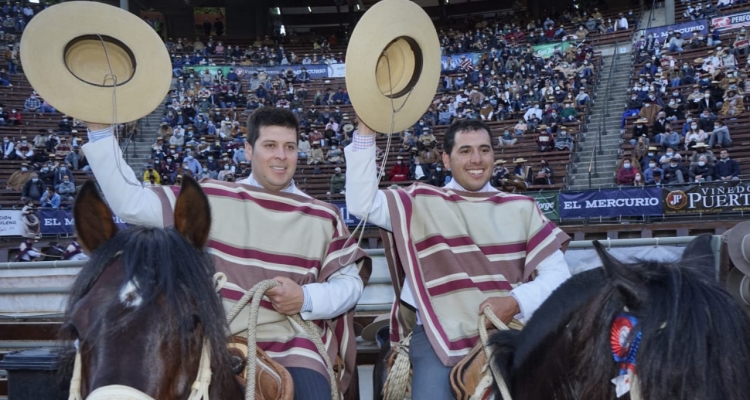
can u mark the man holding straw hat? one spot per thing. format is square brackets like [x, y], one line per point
[114, 69]
[455, 250]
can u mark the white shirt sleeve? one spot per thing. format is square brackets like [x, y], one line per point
[553, 271]
[133, 204]
[362, 187]
[332, 298]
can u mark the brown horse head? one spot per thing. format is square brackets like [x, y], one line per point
[143, 307]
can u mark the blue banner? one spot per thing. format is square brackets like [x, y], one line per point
[685, 28]
[606, 203]
[60, 222]
[349, 219]
[316, 71]
[453, 61]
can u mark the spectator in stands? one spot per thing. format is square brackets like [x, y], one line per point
[533, 111]
[506, 139]
[39, 157]
[626, 173]
[73, 159]
[335, 155]
[50, 199]
[702, 149]
[66, 190]
[24, 151]
[316, 156]
[720, 135]
[545, 175]
[707, 103]
[32, 104]
[672, 172]
[675, 44]
[650, 111]
[338, 182]
[563, 141]
[648, 173]
[61, 172]
[399, 171]
[303, 146]
[660, 125]
[694, 135]
[638, 180]
[8, 149]
[706, 120]
[702, 171]
[639, 129]
[545, 141]
[18, 178]
[437, 176]
[734, 104]
[14, 118]
[11, 57]
[520, 128]
[33, 188]
[148, 175]
[671, 139]
[726, 169]
[675, 110]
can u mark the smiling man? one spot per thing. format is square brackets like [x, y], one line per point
[452, 251]
[264, 227]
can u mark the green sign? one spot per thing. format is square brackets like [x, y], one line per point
[547, 202]
[546, 50]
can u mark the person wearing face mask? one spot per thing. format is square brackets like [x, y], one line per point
[18, 178]
[399, 172]
[8, 149]
[672, 172]
[650, 111]
[24, 151]
[436, 177]
[702, 171]
[626, 173]
[648, 173]
[33, 189]
[701, 149]
[151, 174]
[639, 129]
[719, 136]
[707, 103]
[694, 136]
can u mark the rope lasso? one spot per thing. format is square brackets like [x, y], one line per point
[484, 337]
[398, 381]
[253, 297]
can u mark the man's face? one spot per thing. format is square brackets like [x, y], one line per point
[274, 157]
[471, 160]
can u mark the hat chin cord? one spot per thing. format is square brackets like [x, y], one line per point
[381, 170]
[113, 78]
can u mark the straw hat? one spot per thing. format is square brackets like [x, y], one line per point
[370, 332]
[63, 55]
[641, 121]
[738, 285]
[738, 246]
[520, 160]
[500, 162]
[348, 128]
[404, 32]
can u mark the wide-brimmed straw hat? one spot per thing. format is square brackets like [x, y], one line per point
[738, 285]
[738, 246]
[73, 60]
[396, 36]
[370, 332]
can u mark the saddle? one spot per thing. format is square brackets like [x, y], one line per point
[272, 380]
[472, 377]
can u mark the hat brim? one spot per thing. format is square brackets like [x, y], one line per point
[738, 285]
[43, 57]
[734, 246]
[369, 333]
[382, 24]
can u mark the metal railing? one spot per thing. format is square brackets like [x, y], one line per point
[592, 165]
[607, 97]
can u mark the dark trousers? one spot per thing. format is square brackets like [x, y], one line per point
[309, 384]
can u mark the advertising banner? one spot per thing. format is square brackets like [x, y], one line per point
[686, 28]
[733, 21]
[547, 50]
[349, 219]
[11, 223]
[610, 203]
[547, 202]
[708, 198]
[316, 71]
[60, 222]
[337, 71]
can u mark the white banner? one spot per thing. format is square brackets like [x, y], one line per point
[337, 70]
[11, 223]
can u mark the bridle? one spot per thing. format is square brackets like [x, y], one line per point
[199, 390]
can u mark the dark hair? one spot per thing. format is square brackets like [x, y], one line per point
[269, 116]
[449, 139]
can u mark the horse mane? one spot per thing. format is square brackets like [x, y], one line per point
[695, 337]
[170, 273]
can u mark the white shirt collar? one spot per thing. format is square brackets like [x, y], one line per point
[292, 188]
[453, 185]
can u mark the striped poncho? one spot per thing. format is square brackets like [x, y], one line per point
[258, 235]
[458, 249]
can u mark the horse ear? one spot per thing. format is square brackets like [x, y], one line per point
[627, 281]
[699, 253]
[192, 213]
[93, 219]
